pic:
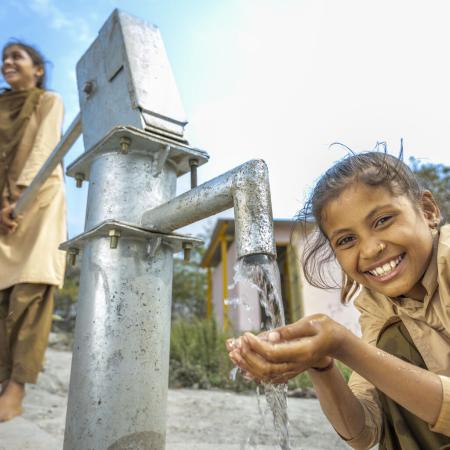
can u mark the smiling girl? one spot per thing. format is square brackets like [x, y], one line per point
[30, 263]
[384, 230]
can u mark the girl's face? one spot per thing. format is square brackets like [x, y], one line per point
[380, 240]
[18, 69]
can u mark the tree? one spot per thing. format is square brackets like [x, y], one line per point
[66, 298]
[190, 282]
[189, 287]
[436, 178]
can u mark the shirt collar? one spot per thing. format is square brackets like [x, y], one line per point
[430, 277]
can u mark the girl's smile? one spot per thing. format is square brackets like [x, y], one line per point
[381, 241]
[386, 269]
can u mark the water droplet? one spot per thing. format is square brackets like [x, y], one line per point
[233, 302]
[233, 373]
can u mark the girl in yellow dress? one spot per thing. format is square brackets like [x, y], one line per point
[31, 266]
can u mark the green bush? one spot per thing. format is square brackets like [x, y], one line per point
[301, 381]
[65, 301]
[345, 370]
[198, 358]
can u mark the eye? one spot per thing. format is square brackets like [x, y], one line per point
[382, 221]
[346, 240]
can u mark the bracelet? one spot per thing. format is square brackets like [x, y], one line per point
[324, 369]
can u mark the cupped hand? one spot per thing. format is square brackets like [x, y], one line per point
[285, 352]
[233, 346]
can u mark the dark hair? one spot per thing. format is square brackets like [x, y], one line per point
[35, 55]
[375, 168]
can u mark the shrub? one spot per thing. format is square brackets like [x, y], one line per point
[198, 357]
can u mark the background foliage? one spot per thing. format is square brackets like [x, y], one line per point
[189, 287]
[436, 178]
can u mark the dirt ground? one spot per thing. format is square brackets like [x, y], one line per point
[197, 420]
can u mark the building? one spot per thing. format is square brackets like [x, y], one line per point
[235, 306]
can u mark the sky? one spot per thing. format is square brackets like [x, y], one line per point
[279, 80]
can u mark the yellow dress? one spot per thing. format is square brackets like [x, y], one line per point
[30, 254]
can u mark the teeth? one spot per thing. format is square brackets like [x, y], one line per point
[386, 268]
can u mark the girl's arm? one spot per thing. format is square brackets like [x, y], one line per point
[416, 389]
[308, 343]
[342, 408]
[272, 357]
[346, 413]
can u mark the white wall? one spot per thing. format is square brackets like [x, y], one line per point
[327, 301]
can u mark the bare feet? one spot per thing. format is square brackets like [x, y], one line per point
[11, 401]
[4, 384]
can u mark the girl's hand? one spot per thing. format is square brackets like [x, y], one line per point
[285, 352]
[8, 225]
[233, 345]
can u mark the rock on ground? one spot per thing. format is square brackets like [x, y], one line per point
[197, 420]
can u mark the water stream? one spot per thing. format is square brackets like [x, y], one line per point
[261, 273]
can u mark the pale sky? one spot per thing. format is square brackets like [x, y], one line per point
[273, 79]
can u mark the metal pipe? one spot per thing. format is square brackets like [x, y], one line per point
[124, 185]
[118, 383]
[64, 145]
[121, 345]
[193, 163]
[246, 188]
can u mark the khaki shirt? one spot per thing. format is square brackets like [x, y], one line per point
[427, 322]
[30, 254]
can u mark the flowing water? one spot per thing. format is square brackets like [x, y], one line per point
[261, 273]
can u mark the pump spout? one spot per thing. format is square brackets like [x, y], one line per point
[245, 187]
